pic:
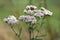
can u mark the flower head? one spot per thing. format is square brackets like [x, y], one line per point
[5, 20]
[30, 7]
[30, 12]
[46, 12]
[33, 21]
[11, 20]
[28, 19]
[38, 13]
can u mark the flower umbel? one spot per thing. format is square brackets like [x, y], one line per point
[28, 19]
[11, 20]
[30, 9]
[38, 13]
[46, 12]
[30, 12]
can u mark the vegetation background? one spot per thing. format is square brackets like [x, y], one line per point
[16, 7]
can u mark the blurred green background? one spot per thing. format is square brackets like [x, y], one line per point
[16, 7]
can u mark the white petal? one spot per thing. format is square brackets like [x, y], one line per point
[33, 6]
[30, 12]
[5, 19]
[45, 11]
[27, 7]
[39, 15]
[25, 11]
[33, 21]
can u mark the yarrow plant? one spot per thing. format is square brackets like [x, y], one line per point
[11, 20]
[31, 18]
[33, 14]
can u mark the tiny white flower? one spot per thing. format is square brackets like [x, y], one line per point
[33, 20]
[30, 12]
[35, 11]
[49, 13]
[12, 17]
[45, 11]
[30, 7]
[27, 7]
[42, 8]
[28, 19]
[21, 17]
[5, 20]
[39, 15]
[25, 11]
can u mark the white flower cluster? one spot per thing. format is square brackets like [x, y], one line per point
[37, 13]
[33, 12]
[11, 20]
[30, 12]
[29, 19]
[42, 12]
[45, 11]
[31, 9]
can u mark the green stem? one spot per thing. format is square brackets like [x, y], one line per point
[33, 36]
[41, 24]
[30, 29]
[13, 30]
[30, 34]
[20, 30]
